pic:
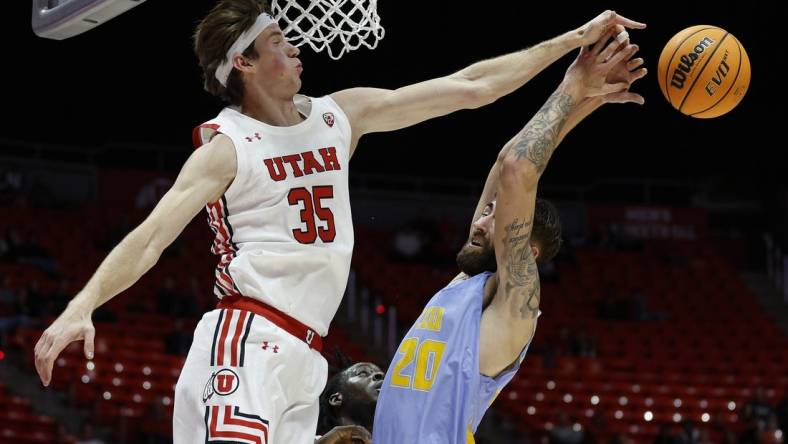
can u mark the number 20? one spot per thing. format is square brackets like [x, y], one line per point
[426, 369]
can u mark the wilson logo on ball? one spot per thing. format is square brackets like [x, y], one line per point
[722, 71]
[688, 61]
[703, 71]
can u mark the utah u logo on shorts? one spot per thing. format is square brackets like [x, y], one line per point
[224, 382]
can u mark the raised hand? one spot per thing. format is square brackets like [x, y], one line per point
[592, 31]
[591, 72]
[627, 70]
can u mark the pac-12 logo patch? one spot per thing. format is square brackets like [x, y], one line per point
[329, 119]
[224, 382]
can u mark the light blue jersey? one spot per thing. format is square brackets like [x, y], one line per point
[434, 392]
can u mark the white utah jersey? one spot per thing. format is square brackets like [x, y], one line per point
[283, 228]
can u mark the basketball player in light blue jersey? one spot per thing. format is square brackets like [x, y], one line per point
[473, 334]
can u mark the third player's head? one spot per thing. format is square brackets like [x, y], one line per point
[478, 253]
[350, 397]
[241, 48]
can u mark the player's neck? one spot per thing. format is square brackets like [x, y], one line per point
[270, 110]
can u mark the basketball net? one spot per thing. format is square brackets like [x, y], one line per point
[337, 26]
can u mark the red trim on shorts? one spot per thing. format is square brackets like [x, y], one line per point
[225, 328]
[239, 327]
[229, 420]
[281, 320]
[215, 433]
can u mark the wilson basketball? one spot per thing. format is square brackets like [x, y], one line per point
[704, 71]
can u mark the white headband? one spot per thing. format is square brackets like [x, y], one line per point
[263, 21]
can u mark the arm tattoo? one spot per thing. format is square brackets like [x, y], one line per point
[541, 134]
[522, 285]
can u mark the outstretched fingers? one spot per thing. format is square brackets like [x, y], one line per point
[621, 20]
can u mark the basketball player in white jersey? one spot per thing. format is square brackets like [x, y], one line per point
[272, 170]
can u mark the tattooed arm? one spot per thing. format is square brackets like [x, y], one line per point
[509, 321]
[627, 71]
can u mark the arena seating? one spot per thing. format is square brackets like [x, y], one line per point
[702, 361]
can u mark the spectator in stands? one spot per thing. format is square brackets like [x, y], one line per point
[772, 433]
[720, 427]
[611, 307]
[728, 437]
[597, 427]
[584, 345]
[9, 246]
[171, 301]
[61, 296]
[689, 434]
[179, 340]
[87, 437]
[408, 244]
[782, 413]
[705, 437]
[62, 436]
[758, 408]
[564, 432]
[512, 434]
[664, 436]
[563, 343]
[752, 434]
[25, 306]
[9, 315]
[33, 253]
[621, 438]
[23, 314]
[640, 310]
[11, 183]
[7, 295]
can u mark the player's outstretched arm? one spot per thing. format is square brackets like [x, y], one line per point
[203, 179]
[375, 110]
[628, 70]
[509, 321]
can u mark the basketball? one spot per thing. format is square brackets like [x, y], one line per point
[704, 71]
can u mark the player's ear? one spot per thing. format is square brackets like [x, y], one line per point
[535, 250]
[335, 400]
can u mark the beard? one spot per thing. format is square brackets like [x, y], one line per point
[474, 260]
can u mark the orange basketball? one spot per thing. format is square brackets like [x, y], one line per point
[704, 71]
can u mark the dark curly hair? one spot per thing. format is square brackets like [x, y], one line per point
[328, 419]
[546, 231]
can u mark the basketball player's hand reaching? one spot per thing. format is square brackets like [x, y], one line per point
[600, 70]
[592, 31]
[73, 324]
[628, 70]
[351, 434]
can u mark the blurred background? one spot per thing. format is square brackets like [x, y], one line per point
[665, 316]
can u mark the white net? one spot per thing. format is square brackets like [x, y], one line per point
[337, 26]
